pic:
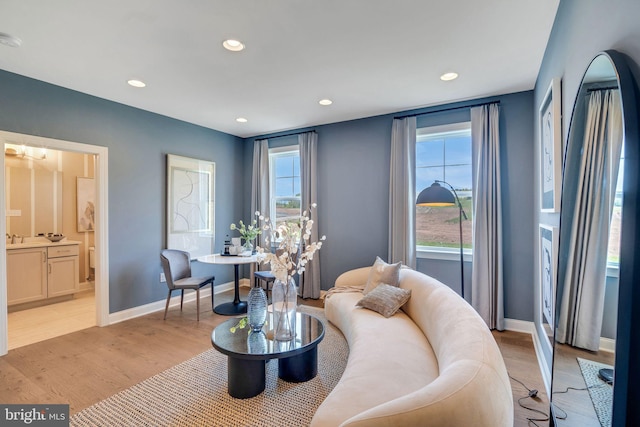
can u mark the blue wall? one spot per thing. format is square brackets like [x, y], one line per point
[582, 29]
[353, 164]
[138, 142]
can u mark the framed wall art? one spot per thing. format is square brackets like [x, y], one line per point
[85, 204]
[548, 270]
[550, 131]
[190, 205]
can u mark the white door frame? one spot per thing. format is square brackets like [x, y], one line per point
[101, 232]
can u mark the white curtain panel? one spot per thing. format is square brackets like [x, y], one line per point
[582, 301]
[260, 185]
[308, 142]
[486, 276]
[402, 192]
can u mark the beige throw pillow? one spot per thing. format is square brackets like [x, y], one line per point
[381, 272]
[385, 299]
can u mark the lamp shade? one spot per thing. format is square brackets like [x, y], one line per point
[436, 195]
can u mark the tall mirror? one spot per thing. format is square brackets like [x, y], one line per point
[593, 218]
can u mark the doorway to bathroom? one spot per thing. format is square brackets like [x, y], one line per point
[50, 211]
[52, 188]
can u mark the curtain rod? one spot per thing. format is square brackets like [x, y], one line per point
[603, 88]
[446, 109]
[285, 135]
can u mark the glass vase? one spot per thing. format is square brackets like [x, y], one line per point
[248, 246]
[257, 342]
[256, 308]
[284, 298]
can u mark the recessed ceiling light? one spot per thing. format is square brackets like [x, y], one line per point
[233, 45]
[136, 83]
[241, 120]
[325, 102]
[9, 40]
[448, 76]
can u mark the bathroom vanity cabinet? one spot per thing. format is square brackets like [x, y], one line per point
[38, 271]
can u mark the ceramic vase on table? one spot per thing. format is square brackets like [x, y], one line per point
[256, 308]
[284, 298]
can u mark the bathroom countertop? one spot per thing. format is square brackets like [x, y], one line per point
[41, 244]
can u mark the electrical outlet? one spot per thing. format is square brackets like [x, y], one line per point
[162, 278]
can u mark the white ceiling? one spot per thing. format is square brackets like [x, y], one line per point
[369, 56]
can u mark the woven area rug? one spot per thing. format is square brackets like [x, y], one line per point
[194, 393]
[600, 392]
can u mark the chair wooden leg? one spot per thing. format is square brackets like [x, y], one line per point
[198, 304]
[167, 306]
[181, 298]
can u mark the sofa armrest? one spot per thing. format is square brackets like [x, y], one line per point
[356, 277]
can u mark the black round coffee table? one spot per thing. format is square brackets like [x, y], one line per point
[248, 353]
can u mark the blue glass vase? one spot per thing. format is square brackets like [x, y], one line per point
[257, 308]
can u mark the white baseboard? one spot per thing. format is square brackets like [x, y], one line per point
[516, 325]
[607, 344]
[526, 327]
[142, 310]
[544, 367]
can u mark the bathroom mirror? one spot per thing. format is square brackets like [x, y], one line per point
[595, 213]
[33, 196]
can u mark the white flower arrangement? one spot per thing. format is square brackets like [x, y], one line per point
[247, 232]
[289, 257]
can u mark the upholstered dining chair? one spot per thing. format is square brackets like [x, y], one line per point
[177, 270]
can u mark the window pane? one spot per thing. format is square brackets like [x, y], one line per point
[458, 176]
[613, 255]
[430, 153]
[296, 187]
[448, 157]
[284, 166]
[284, 187]
[296, 165]
[287, 207]
[458, 151]
[426, 176]
[439, 226]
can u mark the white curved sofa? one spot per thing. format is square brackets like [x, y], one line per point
[433, 363]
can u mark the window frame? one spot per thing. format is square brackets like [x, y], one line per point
[275, 153]
[442, 252]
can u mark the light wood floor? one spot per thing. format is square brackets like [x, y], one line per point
[87, 366]
[50, 321]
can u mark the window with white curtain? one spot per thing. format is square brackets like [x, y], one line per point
[613, 256]
[284, 170]
[444, 153]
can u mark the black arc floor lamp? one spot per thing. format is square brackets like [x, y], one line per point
[437, 195]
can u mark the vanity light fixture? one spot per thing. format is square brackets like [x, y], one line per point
[233, 45]
[241, 120]
[22, 153]
[9, 40]
[448, 76]
[136, 83]
[325, 102]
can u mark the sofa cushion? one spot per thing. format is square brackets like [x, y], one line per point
[385, 299]
[381, 272]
